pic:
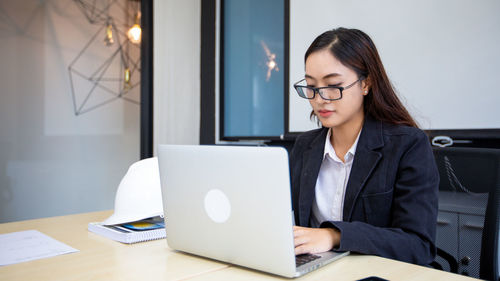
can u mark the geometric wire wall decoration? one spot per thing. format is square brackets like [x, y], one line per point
[95, 11]
[96, 81]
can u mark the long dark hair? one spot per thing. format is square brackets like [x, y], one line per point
[354, 49]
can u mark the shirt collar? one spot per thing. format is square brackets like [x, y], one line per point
[330, 151]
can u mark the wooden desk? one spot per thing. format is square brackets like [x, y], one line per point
[103, 259]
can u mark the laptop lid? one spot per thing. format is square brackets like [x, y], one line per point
[231, 204]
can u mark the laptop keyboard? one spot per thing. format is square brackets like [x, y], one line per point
[303, 259]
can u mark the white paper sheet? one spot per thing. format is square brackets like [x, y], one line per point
[29, 245]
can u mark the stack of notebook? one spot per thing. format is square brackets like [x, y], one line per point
[132, 232]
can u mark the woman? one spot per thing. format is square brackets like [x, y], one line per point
[365, 182]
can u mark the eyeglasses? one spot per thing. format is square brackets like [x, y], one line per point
[327, 93]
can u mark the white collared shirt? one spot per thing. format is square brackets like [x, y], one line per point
[331, 184]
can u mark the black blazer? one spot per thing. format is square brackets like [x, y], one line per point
[391, 198]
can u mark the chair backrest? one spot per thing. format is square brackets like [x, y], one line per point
[470, 190]
[490, 249]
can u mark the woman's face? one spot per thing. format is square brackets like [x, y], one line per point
[323, 69]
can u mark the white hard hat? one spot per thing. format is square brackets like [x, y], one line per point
[139, 194]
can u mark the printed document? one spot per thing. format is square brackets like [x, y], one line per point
[29, 245]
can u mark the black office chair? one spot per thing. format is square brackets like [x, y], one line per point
[470, 203]
[490, 260]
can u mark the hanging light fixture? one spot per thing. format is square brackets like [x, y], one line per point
[134, 33]
[134, 36]
[108, 39]
[127, 84]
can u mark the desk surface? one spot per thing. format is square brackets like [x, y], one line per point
[104, 259]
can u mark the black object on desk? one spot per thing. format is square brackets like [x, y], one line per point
[372, 278]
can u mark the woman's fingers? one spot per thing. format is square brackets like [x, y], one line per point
[301, 240]
[314, 240]
[301, 250]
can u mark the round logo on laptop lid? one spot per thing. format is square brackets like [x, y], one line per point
[217, 206]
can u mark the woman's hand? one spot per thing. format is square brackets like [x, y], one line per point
[314, 240]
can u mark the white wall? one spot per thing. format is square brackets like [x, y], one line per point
[176, 72]
[442, 56]
[51, 161]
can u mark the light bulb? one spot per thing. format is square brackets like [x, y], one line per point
[271, 61]
[108, 39]
[134, 34]
[127, 85]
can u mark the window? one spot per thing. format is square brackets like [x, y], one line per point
[252, 69]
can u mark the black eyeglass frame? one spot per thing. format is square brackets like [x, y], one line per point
[318, 90]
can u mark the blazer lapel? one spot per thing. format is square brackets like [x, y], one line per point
[312, 159]
[365, 160]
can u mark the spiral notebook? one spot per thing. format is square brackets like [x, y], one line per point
[133, 232]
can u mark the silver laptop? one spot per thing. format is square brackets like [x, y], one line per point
[233, 204]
